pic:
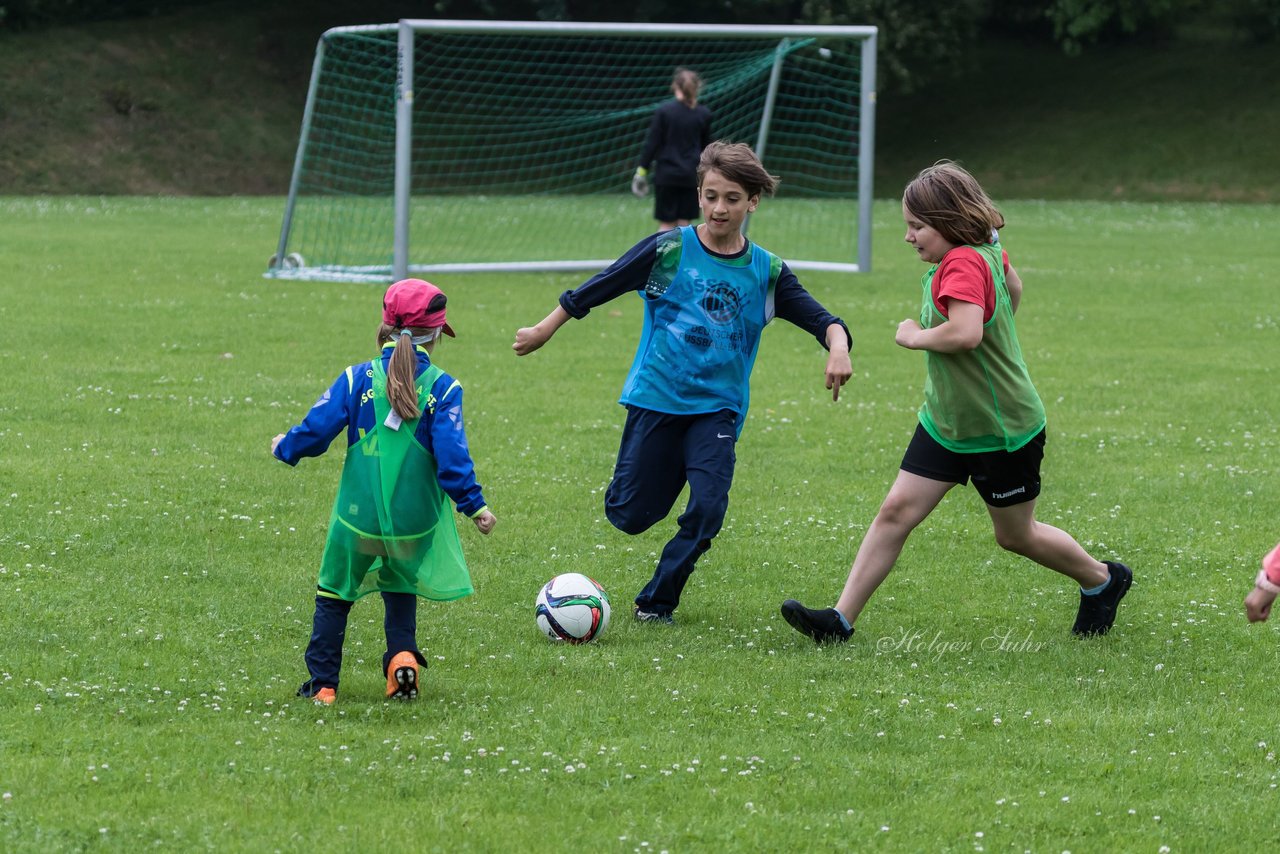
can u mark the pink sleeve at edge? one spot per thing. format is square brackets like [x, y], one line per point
[1271, 565]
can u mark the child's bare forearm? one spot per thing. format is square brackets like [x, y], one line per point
[530, 338]
[961, 332]
[837, 339]
[1013, 282]
[839, 367]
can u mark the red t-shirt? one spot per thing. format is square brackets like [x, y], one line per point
[1271, 565]
[963, 274]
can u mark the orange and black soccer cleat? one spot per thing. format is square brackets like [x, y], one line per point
[402, 677]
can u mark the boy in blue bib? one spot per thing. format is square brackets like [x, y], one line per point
[708, 293]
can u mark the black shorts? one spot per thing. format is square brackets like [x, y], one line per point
[1002, 478]
[672, 204]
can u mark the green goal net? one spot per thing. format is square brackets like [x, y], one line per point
[431, 146]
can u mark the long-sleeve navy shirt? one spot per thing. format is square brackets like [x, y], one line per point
[632, 271]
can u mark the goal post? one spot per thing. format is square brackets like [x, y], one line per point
[434, 146]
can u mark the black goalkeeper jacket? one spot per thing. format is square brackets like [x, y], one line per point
[677, 135]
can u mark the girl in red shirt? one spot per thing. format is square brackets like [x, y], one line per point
[982, 419]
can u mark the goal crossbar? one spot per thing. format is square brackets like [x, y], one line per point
[404, 84]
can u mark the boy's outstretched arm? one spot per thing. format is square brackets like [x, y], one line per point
[839, 367]
[530, 338]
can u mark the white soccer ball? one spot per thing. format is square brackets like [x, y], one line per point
[572, 608]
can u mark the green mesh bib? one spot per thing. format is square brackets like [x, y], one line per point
[392, 528]
[982, 399]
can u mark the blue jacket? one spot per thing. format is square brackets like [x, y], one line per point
[347, 403]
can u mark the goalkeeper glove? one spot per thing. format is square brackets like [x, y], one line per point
[640, 183]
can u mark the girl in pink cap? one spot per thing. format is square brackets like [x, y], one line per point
[391, 529]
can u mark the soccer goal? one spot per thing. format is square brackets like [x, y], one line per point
[447, 146]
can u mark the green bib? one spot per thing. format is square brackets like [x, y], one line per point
[392, 527]
[982, 399]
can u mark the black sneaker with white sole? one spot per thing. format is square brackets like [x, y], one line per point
[657, 617]
[1098, 612]
[824, 626]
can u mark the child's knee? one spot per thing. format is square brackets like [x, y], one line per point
[897, 512]
[627, 520]
[704, 520]
[1015, 540]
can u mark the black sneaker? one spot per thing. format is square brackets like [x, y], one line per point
[824, 626]
[1098, 612]
[654, 617]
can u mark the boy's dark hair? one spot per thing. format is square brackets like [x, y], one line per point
[948, 199]
[737, 162]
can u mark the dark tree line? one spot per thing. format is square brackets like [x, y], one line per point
[919, 38]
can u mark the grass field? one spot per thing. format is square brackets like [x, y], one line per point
[340, 239]
[157, 566]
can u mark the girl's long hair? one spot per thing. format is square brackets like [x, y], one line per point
[952, 202]
[402, 372]
[689, 84]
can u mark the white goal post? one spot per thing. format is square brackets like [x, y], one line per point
[453, 146]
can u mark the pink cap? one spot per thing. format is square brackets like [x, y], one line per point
[414, 302]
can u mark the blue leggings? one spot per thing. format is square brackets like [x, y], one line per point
[658, 455]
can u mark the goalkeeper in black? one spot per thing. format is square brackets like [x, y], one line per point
[678, 132]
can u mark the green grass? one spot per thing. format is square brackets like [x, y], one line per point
[339, 238]
[157, 566]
